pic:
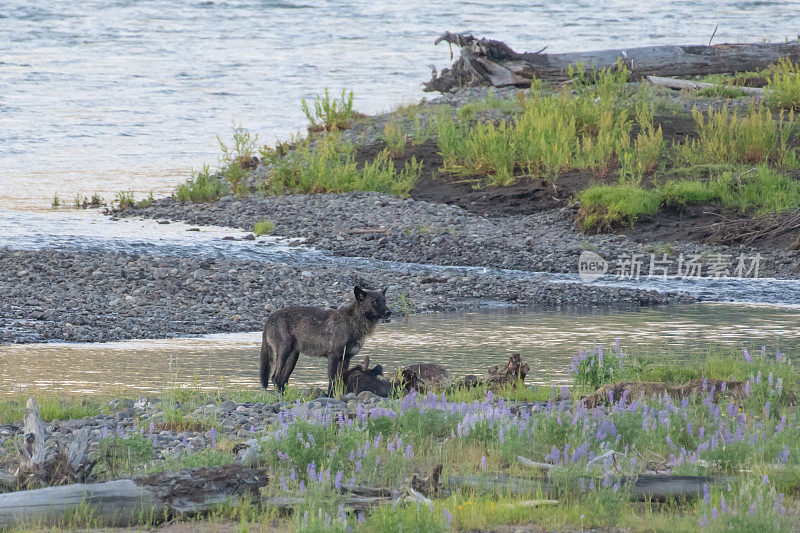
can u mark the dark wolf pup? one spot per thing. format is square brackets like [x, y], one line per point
[337, 335]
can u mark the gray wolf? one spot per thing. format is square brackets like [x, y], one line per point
[335, 334]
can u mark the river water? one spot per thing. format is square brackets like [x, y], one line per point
[462, 342]
[109, 95]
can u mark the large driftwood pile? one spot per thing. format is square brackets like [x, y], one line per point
[490, 63]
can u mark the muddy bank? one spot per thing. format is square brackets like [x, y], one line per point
[93, 297]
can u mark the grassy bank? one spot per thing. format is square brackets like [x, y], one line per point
[623, 151]
[753, 439]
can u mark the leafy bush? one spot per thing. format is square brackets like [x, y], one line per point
[263, 227]
[201, 187]
[783, 85]
[330, 114]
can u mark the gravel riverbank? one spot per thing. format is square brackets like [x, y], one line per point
[380, 226]
[53, 295]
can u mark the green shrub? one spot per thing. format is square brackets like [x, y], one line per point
[759, 190]
[395, 138]
[330, 114]
[201, 187]
[783, 85]
[263, 227]
[125, 200]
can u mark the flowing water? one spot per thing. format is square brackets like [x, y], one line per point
[463, 342]
[107, 95]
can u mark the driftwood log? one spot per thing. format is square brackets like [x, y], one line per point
[40, 465]
[673, 83]
[490, 63]
[124, 501]
[643, 487]
[636, 389]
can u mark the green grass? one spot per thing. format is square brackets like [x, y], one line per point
[125, 200]
[606, 205]
[726, 137]
[264, 227]
[330, 166]
[330, 114]
[783, 85]
[201, 187]
[722, 91]
[52, 406]
[757, 190]
[395, 138]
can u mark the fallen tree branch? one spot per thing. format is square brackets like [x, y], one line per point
[121, 502]
[673, 83]
[490, 63]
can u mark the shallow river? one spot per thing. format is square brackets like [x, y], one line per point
[463, 342]
[107, 95]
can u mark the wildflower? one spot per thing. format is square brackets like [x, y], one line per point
[765, 480]
[502, 438]
[409, 453]
[747, 356]
[338, 481]
[448, 516]
[283, 483]
[706, 493]
[723, 506]
[213, 435]
[152, 427]
[302, 487]
[714, 513]
[305, 518]
[358, 466]
[753, 509]
[360, 518]
[252, 428]
[293, 475]
[483, 462]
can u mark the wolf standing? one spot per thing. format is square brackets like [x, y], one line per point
[335, 334]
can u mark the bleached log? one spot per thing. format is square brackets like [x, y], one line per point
[490, 63]
[123, 502]
[32, 452]
[673, 83]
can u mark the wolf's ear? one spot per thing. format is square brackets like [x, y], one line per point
[384, 293]
[360, 293]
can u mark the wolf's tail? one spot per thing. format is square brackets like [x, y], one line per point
[266, 361]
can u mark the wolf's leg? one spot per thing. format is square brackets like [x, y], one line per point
[335, 362]
[267, 360]
[282, 373]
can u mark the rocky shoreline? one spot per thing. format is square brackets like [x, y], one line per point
[105, 296]
[388, 228]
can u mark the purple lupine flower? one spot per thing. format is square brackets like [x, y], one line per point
[337, 483]
[765, 480]
[302, 487]
[448, 517]
[770, 379]
[252, 428]
[747, 388]
[723, 506]
[483, 462]
[747, 356]
[766, 409]
[591, 484]
[358, 466]
[213, 435]
[352, 482]
[352, 456]
[293, 475]
[763, 351]
[714, 513]
[283, 484]
[409, 453]
[785, 457]
[753, 509]
[361, 518]
[152, 427]
[669, 441]
[706, 493]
